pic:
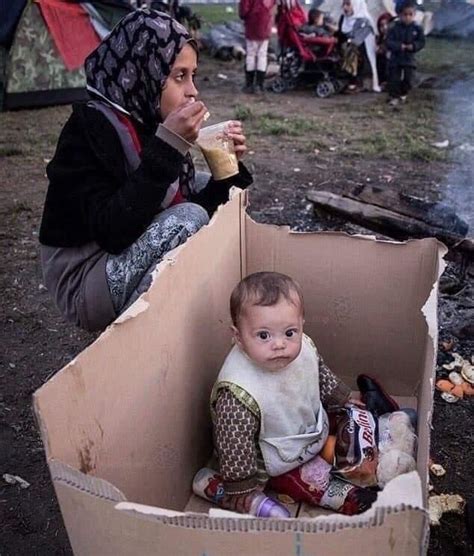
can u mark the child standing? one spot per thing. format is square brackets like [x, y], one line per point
[383, 23]
[405, 37]
[268, 404]
[257, 16]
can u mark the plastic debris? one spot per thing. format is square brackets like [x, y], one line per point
[15, 480]
[449, 397]
[455, 378]
[437, 470]
[447, 345]
[464, 366]
[444, 503]
[441, 144]
[457, 362]
[222, 76]
[296, 169]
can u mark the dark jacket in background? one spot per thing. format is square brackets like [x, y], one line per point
[399, 34]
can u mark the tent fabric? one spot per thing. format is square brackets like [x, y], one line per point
[71, 29]
[111, 11]
[10, 13]
[105, 15]
[34, 63]
[96, 19]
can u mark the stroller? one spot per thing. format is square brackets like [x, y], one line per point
[298, 59]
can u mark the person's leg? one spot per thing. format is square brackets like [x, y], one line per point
[250, 65]
[129, 273]
[394, 78]
[407, 81]
[370, 49]
[262, 55]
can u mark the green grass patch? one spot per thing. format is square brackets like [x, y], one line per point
[243, 112]
[441, 56]
[273, 124]
[212, 14]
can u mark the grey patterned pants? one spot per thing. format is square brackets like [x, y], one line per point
[129, 273]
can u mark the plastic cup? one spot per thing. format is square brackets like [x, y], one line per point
[218, 150]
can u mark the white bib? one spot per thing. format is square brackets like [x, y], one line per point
[294, 425]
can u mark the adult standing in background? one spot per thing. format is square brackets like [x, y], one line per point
[257, 16]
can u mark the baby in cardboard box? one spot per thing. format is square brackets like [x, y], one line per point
[268, 405]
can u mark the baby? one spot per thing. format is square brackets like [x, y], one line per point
[268, 404]
[318, 25]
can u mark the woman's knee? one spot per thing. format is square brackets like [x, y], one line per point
[190, 215]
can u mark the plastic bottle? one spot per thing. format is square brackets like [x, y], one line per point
[263, 506]
[209, 485]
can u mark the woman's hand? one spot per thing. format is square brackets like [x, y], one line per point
[186, 120]
[235, 132]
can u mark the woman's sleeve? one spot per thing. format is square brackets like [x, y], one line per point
[88, 170]
[217, 192]
[235, 431]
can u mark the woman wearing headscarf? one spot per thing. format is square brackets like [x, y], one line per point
[357, 29]
[122, 187]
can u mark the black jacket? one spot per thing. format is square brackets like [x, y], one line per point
[399, 34]
[91, 195]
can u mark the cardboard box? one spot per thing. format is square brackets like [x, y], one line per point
[126, 424]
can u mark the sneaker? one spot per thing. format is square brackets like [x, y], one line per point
[394, 102]
[403, 98]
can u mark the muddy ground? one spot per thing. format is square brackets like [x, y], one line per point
[296, 142]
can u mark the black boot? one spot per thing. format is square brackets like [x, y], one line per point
[249, 82]
[260, 81]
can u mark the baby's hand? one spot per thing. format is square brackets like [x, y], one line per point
[235, 132]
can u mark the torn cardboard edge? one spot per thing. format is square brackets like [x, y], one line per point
[401, 494]
[141, 304]
[74, 406]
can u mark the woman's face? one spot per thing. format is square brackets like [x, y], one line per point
[347, 8]
[179, 87]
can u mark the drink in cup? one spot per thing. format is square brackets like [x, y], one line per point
[218, 150]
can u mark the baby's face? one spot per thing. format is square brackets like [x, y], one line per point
[319, 21]
[271, 336]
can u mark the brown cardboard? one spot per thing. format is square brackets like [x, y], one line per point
[128, 419]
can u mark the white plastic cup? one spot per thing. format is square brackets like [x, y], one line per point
[218, 150]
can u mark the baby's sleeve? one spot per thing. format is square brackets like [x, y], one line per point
[333, 391]
[236, 431]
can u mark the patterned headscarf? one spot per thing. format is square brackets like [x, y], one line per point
[130, 66]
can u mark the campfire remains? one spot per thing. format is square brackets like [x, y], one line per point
[396, 215]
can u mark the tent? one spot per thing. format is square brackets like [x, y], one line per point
[43, 44]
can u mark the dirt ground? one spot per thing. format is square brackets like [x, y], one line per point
[296, 142]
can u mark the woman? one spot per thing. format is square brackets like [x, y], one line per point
[122, 187]
[357, 28]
